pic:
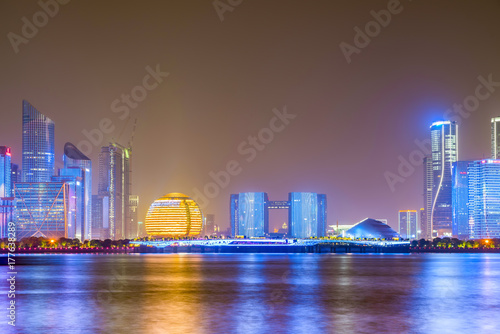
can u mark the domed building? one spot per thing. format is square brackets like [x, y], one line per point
[174, 215]
[371, 228]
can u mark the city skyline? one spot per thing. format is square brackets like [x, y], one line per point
[348, 129]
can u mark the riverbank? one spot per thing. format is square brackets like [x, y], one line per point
[453, 250]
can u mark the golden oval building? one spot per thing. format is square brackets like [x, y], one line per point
[174, 215]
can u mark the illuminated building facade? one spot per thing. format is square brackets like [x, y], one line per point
[100, 217]
[7, 215]
[209, 224]
[78, 165]
[444, 147]
[407, 221]
[15, 176]
[133, 216]
[73, 215]
[174, 215]
[495, 138]
[460, 199]
[114, 183]
[41, 209]
[5, 172]
[371, 229]
[249, 213]
[425, 223]
[484, 199]
[307, 215]
[38, 145]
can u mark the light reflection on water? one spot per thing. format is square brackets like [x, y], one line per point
[257, 293]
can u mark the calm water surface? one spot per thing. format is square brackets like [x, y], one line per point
[257, 293]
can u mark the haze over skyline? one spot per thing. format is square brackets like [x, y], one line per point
[225, 78]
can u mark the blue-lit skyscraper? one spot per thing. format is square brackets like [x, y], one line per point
[74, 159]
[307, 215]
[460, 200]
[249, 214]
[407, 221]
[484, 199]
[444, 142]
[38, 145]
[5, 172]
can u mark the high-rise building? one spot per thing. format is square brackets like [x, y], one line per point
[141, 230]
[5, 172]
[133, 216]
[307, 215]
[249, 214]
[484, 199]
[73, 177]
[460, 199]
[408, 224]
[100, 218]
[422, 220]
[425, 223]
[114, 182]
[74, 159]
[15, 176]
[41, 209]
[7, 215]
[209, 224]
[495, 138]
[444, 142]
[38, 145]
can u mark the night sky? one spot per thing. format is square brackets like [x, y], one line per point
[352, 120]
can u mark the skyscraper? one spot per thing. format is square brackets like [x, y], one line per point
[38, 145]
[249, 214]
[484, 199]
[133, 216]
[425, 223]
[100, 217]
[209, 224]
[73, 158]
[5, 172]
[444, 142]
[114, 182]
[307, 215]
[460, 200]
[407, 224]
[495, 138]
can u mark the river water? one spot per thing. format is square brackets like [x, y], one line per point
[256, 293]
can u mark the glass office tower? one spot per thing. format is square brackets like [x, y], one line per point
[41, 209]
[73, 158]
[249, 214]
[495, 138]
[484, 199]
[307, 215]
[460, 200]
[5, 172]
[444, 142]
[38, 145]
[408, 224]
[114, 183]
